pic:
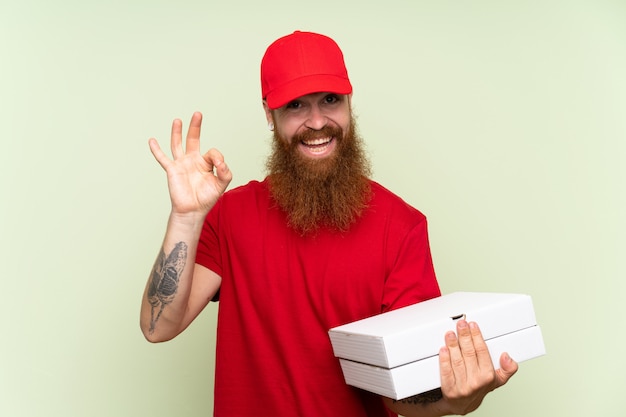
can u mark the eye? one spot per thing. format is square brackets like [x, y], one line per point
[331, 99]
[293, 105]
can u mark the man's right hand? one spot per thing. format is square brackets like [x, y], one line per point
[195, 181]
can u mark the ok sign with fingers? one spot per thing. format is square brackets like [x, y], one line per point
[196, 181]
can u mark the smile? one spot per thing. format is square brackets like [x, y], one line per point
[317, 146]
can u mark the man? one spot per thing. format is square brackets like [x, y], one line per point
[315, 245]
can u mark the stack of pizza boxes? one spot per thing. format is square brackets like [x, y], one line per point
[396, 354]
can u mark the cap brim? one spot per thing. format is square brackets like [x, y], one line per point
[307, 85]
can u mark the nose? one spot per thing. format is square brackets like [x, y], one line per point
[316, 119]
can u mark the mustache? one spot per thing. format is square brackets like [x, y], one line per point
[327, 131]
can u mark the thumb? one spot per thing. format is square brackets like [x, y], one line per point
[508, 368]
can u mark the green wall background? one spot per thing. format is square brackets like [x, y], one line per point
[504, 122]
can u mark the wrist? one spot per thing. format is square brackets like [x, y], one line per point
[191, 220]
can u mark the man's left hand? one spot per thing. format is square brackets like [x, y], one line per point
[467, 372]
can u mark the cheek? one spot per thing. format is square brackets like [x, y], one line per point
[342, 121]
[347, 129]
[286, 130]
[285, 140]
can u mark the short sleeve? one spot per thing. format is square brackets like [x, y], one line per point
[209, 254]
[412, 277]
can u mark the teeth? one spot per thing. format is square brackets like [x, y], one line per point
[317, 142]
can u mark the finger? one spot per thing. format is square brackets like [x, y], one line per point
[445, 369]
[508, 368]
[193, 133]
[158, 154]
[177, 139]
[483, 357]
[466, 344]
[215, 159]
[457, 362]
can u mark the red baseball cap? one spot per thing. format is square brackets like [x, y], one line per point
[302, 63]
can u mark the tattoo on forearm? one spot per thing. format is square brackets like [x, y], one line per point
[426, 397]
[164, 280]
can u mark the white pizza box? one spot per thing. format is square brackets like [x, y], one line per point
[417, 331]
[423, 375]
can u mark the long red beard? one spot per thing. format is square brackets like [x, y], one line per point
[330, 192]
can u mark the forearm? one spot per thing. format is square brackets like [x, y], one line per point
[166, 296]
